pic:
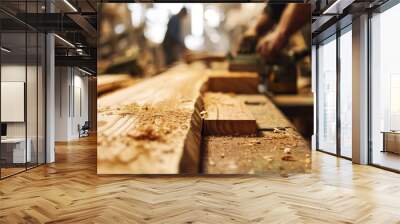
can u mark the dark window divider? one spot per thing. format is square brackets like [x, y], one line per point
[341, 28]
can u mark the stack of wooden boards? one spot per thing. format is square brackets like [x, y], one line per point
[156, 126]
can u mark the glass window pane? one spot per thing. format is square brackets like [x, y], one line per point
[327, 96]
[346, 94]
[13, 86]
[41, 98]
[23, 87]
[385, 83]
[31, 97]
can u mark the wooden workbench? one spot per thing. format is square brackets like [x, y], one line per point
[158, 125]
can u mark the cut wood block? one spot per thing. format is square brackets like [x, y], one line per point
[234, 82]
[226, 115]
[268, 116]
[260, 154]
[153, 127]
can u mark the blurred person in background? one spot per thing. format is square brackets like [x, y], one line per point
[292, 19]
[274, 27]
[173, 43]
[275, 33]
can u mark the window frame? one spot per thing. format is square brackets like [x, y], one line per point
[339, 32]
[378, 10]
[27, 29]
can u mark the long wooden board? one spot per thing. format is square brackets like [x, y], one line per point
[107, 83]
[153, 127]
[233, 82]
[226, 115]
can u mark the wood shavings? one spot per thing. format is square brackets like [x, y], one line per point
[232, 165]
[288, 158]
[203, 114]
[287, 151]
[284, 175]
[145, 133]
[268, 158]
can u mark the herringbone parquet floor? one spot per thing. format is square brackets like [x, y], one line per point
[69, 191]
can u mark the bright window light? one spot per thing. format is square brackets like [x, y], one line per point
[212, 17]
[136, 13]
[172, 8]
[197, 19]
[214, 37]
[157, 15]
[120, 28]
[156, 24]
[194, 43]
[155, 33]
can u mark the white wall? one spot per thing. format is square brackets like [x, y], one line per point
[33, 127]
[71, 87]
[14, 73]
[61, 103]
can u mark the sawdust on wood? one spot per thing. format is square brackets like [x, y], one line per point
[141, 134]
[265, 154]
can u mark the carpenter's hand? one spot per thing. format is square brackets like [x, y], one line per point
[271, 44]
[248, 44]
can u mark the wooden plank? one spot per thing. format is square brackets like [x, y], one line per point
[107, 83]
[268, 116]
[227, 116]
[153, 127]
[233, 82]
[297, 100]
[206, 57]
[276, 151]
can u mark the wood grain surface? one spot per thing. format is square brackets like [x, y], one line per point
[226, 115]
[107, 83]
[153, 127]
[233, 82]
[268, 116]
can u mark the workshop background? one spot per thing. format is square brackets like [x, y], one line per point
[205, 105]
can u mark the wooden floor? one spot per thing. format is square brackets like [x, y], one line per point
[69, 191]
[386, 159]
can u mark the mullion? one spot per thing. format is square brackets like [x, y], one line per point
[37, 91]
[317, 96]
[369, 77]
[338, 95]
[0, 95]
[26, 86]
